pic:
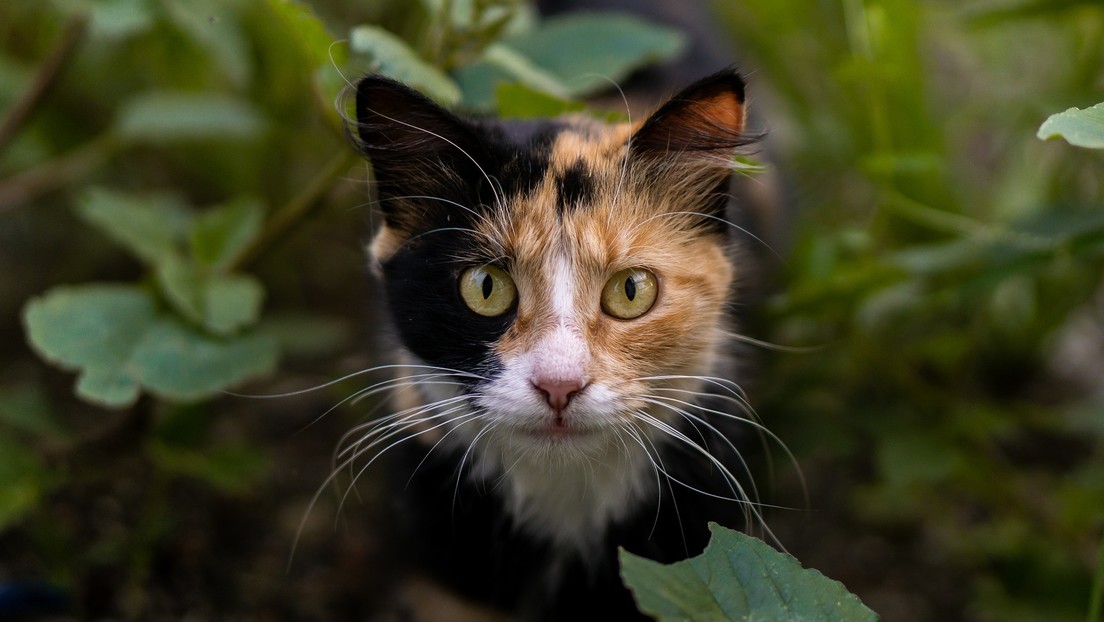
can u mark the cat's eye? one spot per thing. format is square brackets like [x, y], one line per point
[487, 290]
[630, 293]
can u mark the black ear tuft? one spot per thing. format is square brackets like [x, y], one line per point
[415, 145]
[707, 116]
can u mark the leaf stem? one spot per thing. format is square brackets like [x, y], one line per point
[295, 209]
[45, 78]
[57, 173]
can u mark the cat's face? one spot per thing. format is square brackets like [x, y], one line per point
[560, 276]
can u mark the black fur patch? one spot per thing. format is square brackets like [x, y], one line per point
[425, 304]
[576, 187]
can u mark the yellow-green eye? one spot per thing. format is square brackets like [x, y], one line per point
[630, 293]
[487, 290]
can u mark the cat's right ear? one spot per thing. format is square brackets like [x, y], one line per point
[416, 147]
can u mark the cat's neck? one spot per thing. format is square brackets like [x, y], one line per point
[569, 501]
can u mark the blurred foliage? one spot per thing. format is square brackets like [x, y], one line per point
[949, 267]
[176, 217]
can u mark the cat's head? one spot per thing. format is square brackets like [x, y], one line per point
[559, 275]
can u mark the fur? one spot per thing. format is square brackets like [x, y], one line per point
[634, 451]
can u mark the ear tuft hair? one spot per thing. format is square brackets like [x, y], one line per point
[707, 116]
[415, 145]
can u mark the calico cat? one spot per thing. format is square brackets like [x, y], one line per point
[560, 291]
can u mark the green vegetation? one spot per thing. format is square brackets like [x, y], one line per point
[180, 213]
[738, 578]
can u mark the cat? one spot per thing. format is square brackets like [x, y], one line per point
[561, 293]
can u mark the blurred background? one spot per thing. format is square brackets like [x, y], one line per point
[182, 226]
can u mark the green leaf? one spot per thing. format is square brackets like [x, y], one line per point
[166, 116]
[149, 226]
[1081, 128]
[183, 286]
[223, 304]
[737, 578]
[179, 363]
[24, 479]
[213, 25]
[112, 335]
[304, 27]
[517, 101]
[587, 51]
[391, 56]
[500, 66]
[221, 234]
[231, 303]
[118, 19]
[516, 65]
[93, 329]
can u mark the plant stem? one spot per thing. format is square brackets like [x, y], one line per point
[295, 209]
[56, 173]
[45, 78]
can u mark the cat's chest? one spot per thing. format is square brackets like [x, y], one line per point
[569, 501]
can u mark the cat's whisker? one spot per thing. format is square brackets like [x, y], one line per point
[751, 507]
[449, 420]
[763, 433]
[721, 220]
[332, 479]
[495, 189]
[385, 427]
[727, 385]
[766, 345]
[656, 459]
[475, 232]
[694, 422]
[454, 425]
[350, 461]
[464, 460]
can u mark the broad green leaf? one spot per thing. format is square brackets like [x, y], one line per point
[115, 19]
[180, 363]
[165, 116]
[113, 336]
[147, 225]
[213, 24]
[391, 56]
[503, 65]
[223, 304]
[516, 65]
[220, 234]
[587, 51]
[304, 27]
[183, 285]
[231, 303]
[738, 578]
[93, 329]
[518, 101]
[1081, 128]
[24, 479]
[478, 84]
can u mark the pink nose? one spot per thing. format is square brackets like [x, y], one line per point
[558, 393]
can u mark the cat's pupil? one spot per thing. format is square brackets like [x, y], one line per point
[488, 285]
[630, 289]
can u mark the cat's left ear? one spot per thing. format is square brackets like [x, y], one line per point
[698, 131]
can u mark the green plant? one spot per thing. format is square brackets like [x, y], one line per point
[173, 175]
